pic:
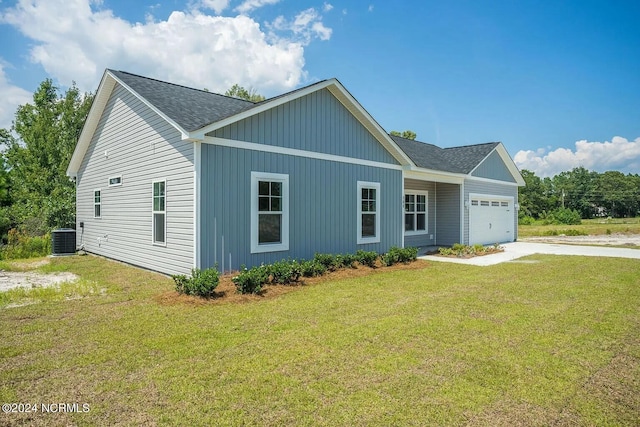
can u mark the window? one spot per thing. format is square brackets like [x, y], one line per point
[269, 212]
[368, 212]
[115, 181]
[97, 204]
[415, 212]
[159, 212]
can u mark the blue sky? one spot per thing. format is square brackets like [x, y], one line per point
[557, 82]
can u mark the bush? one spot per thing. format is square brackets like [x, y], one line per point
[284, 272]
[346, 260]
[330, 261]
[396, 255]
[21, 245]
[312, 268]
[202, 283]
[526, 220]
[367, 258]
[564, 216]
[251, 281]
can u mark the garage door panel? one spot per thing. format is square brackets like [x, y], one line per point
[490, 220]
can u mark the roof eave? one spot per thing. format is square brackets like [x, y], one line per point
[507, 160]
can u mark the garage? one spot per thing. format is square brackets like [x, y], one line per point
[491, 219]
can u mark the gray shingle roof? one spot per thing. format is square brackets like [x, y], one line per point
[455, 159]
[190, 108]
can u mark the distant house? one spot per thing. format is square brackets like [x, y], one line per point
[170, 178]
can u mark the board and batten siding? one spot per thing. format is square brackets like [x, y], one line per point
[317, 122]
[322, 206]
[493, 167]
[428, 239]
[447, 214]
[134, 142]
[494, 189]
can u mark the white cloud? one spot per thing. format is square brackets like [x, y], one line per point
[618, 154]
[12, 97]
[74, 40]
[249, 5]
[216, 5]
[305, 26]
[327, 7]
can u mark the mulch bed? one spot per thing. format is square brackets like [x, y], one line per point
[226, 289]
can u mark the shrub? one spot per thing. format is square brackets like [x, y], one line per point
[346, 260]
[564, 216]
[21, 245]
[202, 283]
[251, 281]
[367, 258]
[328, 260]
[312, 268]
[526, 220]
[284, 272]
[396, 255]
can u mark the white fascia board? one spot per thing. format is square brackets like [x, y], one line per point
[91, 123]
[491, 181]
[184, 133]
[296, 152]
[435, 176]
[105, 88]
[508, 162]
[341, 94]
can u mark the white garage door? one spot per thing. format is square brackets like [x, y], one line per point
[490, 219]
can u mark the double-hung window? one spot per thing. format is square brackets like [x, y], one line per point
[415, 212]
[97, 204]
[269, 212]
[159, 213]
[368, 222]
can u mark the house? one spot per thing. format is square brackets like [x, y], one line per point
[170, 178]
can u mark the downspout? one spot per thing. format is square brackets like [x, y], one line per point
[462, 214]
[197, 213]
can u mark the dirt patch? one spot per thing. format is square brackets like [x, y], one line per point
[226, 289]
[616, 239]
[11, 280]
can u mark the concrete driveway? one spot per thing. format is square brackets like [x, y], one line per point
[515, 250]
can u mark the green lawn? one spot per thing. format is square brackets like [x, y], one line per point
[549, 341]
[588, 227]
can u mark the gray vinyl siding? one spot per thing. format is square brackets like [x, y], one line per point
[322, 205]
[493, 168]
[422, 240]
[494, 189]
[317, 122]
[447, 214]
[133, 141]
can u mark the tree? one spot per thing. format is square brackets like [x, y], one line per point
[238, 91]
[532, 197]
[42, 196]
[407, 134]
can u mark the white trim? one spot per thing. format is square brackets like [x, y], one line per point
[295, 152]
[434, 176]
[153, 212]
[97, 204]
[118, 184]
[197, 214]
[284, 244]
[463, 213]
[426, 212]
[402, 208]
[375, 239]
[492, 181]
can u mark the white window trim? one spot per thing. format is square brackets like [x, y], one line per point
[271, 247]
[153, 219]
[426, 212]
[97, 204]
[114, 177]
[375, 239]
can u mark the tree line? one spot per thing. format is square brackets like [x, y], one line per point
[590, 194]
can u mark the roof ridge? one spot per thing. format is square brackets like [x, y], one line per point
[183, 86]
[472, 145]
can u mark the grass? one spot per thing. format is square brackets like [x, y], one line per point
[551, 341]
[592, 227]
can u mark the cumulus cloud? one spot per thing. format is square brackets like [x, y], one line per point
[618, 154]
[12, 96]
[74, 40]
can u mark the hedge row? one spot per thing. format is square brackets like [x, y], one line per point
[290, 271]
